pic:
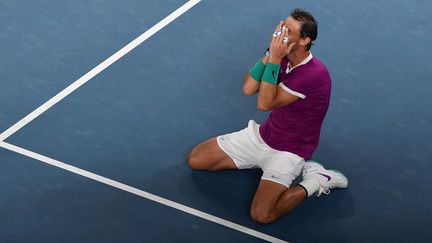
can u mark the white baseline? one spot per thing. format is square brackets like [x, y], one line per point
[99, 68]
[138, 192]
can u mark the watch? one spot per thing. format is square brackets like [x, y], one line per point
[267, 52]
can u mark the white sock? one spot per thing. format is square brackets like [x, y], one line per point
[311, 185]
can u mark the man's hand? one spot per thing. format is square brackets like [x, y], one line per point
[271, 96]
[279, 47]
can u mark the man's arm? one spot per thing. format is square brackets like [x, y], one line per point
[250, 85]
[272, 96]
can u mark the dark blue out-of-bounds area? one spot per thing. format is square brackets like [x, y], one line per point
[136, 121]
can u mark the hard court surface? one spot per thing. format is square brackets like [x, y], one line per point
[104, 160]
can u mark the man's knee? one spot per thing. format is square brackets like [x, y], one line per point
[193, 159]
[262, 215]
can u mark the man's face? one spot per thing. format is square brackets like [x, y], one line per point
[293, 29]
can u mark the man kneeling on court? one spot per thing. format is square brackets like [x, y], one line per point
[296, 87]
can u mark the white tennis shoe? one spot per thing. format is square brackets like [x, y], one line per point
[327, 179]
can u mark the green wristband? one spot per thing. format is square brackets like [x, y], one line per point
[271, 73]
[257, 71]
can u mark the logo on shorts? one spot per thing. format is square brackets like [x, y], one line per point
[274, 177]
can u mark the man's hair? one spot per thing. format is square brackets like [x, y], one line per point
[308, 25]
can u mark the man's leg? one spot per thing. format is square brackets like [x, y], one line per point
[209, 156]
[272, 200]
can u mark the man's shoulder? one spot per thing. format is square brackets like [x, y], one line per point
[317, 64]
[311, 76]
[315, 68]
[313, 72]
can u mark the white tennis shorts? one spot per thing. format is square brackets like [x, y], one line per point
[249, 151]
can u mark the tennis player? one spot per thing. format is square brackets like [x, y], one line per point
[295, 86]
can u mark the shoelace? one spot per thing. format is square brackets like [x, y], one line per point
[308, 170]
[323, 190]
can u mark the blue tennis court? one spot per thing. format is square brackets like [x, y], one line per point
[103, 100]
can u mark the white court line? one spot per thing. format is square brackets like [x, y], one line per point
[99, 68]
[78, 83]
[139, 192]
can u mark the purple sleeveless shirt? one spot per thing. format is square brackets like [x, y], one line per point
[296, 127]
